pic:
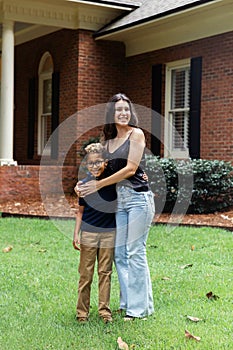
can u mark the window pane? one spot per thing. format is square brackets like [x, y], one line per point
[180, 137]
[48, 65]
[46, 129]
[180, 88]
[47, 96]
[179, 110]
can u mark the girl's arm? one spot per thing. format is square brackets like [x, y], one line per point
[77, 227]
[137, 145]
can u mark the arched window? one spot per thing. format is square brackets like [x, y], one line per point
[45, 73]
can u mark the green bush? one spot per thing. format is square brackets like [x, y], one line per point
[194, 186]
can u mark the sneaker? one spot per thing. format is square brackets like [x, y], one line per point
[129, 318]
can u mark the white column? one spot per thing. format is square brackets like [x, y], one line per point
[7, 95]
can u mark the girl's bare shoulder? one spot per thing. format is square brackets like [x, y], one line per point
[137, 133]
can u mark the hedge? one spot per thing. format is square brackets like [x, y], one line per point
[194, 186]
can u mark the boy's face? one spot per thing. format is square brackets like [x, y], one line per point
[95, 164]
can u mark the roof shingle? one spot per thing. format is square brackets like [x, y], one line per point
[148, 10]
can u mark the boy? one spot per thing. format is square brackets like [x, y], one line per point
[96, 221]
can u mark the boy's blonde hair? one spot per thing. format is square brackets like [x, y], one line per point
[95, 148]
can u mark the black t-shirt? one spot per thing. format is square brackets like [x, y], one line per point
[99, 209]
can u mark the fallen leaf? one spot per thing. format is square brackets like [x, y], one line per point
[42, 250]
[7, 249]
[186, 266]
[226, 217]
[193, 319]
[165, 278]
[192, 247]
[121, 344]
[35, 243]
[191, 336]
[212, 296]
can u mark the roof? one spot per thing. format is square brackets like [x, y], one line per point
[149, 10]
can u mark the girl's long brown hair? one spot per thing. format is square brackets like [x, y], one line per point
[110, 130]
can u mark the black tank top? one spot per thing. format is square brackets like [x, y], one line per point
[118, 160]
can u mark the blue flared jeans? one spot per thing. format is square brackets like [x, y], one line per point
[135, 211]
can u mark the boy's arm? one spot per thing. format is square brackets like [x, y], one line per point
[77, 227]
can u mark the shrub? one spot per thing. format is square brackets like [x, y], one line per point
[196, 186]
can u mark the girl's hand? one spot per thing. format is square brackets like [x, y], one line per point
[88, 188]
[76, 245]
[77, 188]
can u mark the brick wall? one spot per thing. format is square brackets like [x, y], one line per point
[101, 74]
[27, 181]
[90, 72]
[217, 88]
[63, 47]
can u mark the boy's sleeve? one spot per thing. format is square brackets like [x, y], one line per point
[81, 201]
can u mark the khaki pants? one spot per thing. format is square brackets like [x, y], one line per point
[94, 246]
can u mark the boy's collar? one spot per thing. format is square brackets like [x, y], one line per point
[98, 177]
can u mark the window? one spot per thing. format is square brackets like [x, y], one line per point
[177, 110]
[45, 103]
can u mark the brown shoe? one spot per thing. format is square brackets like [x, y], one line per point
[82, 320]
[107, 319]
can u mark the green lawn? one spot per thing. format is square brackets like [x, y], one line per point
[38, 291]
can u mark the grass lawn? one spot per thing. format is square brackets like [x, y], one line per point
[38, 291]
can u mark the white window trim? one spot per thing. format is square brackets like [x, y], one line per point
[168, 152]
[42, 76]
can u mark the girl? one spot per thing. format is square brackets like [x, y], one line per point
[125, 144]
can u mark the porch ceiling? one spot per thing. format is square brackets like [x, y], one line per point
[40, 17]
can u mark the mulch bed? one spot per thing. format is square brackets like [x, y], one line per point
[66, 207]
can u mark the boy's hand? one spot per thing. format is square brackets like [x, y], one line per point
[76, 245]
[145, 176]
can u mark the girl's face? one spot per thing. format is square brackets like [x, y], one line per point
[122, 113]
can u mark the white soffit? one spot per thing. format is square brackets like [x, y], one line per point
[192, 24]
